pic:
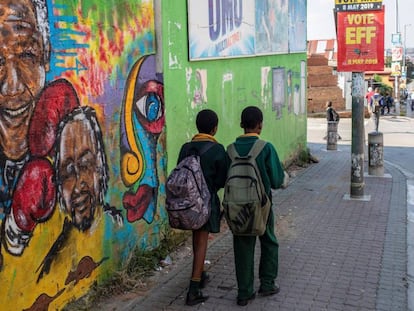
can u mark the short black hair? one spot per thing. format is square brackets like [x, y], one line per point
[251, 117]
[206, 121]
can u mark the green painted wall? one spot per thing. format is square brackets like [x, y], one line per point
[226, 86]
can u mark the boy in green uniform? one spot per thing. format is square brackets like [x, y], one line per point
[214, 164]
[272, 176]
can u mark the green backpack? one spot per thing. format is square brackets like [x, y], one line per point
[246, 204]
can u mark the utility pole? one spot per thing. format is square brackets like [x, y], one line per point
[358, 133]
[350, 59]
[404, 70]
[397, 96]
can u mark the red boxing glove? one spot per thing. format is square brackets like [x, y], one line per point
[56, 100]
[33, 202]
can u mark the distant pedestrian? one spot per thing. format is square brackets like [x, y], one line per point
[376, 104]
[332, 116]
[389, 101]
[412, 99]
[214, 164]
[244, 246]
[368, 96]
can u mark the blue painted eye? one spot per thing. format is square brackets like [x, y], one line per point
[153, 106]
[150, 106]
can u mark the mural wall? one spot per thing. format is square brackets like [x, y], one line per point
[82, 145]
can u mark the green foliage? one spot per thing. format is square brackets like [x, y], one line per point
[377, 78]
[410, 71]
[303, 156]
[388, 61]
[384, 89]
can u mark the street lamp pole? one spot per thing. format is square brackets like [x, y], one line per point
[404, 52]
[397, 97]
[396, 16]
[404, 71]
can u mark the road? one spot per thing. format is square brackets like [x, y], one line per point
[398, 135]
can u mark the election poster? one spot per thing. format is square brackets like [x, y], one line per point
[360, 41]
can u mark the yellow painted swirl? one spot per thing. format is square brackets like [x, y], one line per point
[132, 164]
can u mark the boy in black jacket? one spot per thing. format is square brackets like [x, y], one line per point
[214, 163]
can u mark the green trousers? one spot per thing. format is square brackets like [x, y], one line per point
[244, 247]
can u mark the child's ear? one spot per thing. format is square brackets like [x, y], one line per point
[214, 131]
[241, 125]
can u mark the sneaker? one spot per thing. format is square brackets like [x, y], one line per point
[195, 298]
[268, 292]
[244, 302]
[205, 279]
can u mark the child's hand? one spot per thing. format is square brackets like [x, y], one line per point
[285, 180]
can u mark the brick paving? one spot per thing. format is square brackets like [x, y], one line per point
[335, 254]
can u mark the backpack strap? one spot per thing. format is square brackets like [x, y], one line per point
[254, 151]
[206, 147]
[189, 146]
[232, 152]
[257, 148]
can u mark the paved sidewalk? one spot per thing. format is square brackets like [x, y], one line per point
[335, 254]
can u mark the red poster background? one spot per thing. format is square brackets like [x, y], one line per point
[359, 54]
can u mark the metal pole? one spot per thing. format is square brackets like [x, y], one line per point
[396, 16]
[404, 70]
[404, 47]
[358, 133]
[396, 97]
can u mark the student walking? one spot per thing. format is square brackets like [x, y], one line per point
[377, 104]
[214, 164]
[272, 176]
[368, 96]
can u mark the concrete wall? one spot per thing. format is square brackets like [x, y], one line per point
[228, 85]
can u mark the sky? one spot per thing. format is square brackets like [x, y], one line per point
[321, 22]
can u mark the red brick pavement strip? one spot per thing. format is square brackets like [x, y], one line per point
[335, 254]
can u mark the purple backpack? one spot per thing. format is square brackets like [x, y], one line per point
[188, 197]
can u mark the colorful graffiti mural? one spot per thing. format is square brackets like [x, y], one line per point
[63, 70]
[142, 121]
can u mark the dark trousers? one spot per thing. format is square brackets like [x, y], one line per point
[376, 116]
[244, 260]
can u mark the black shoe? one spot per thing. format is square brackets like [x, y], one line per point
[268, 292]
[205, 279]
[244, 302]
[195, 298]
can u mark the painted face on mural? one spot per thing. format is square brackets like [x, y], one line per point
[22, 72]
[78, 172]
